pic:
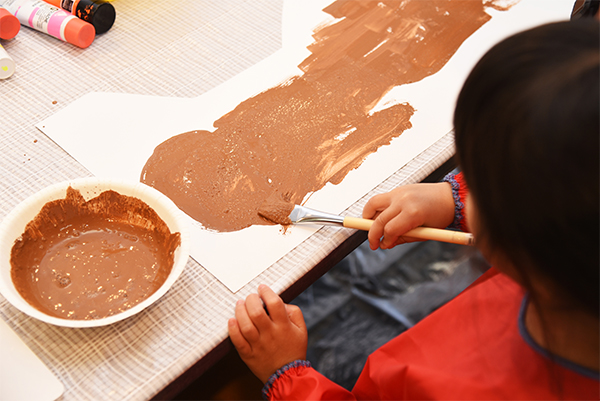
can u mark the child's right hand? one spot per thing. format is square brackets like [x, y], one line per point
[405, 208]
[266, 341]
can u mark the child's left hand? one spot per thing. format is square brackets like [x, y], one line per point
[266, 342]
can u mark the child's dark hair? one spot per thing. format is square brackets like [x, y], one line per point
[527, 129]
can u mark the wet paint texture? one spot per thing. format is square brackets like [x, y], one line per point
[314, 128]
[89, 260]
[277, 209]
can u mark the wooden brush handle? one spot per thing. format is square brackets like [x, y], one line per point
[424, 233]
[358, 223]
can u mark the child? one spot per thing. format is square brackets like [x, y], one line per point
[527, 139]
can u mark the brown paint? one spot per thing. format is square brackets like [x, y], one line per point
[314, 128]
[89, 260]
[276, 209]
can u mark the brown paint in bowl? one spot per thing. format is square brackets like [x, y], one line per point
[92, 259]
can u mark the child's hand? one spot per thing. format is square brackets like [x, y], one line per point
[407, 207]
[266, 342]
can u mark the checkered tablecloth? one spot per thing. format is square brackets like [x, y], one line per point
[182, 49]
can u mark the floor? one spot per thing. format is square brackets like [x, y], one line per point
[367, 299]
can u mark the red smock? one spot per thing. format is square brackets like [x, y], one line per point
[475, 347]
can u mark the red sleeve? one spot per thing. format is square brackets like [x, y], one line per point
[303, 383]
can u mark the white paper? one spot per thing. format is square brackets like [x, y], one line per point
[23, 376]
[140, 123]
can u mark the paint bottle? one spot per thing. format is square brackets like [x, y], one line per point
[43, 17]
[9, 24]
[7, 65]
[99, 13]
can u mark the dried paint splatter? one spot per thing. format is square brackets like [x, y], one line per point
[294, 138]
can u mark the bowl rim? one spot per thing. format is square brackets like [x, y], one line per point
[90, 187]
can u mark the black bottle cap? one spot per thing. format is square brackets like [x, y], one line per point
[99, 13]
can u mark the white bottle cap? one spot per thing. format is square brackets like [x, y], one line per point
[7, 65]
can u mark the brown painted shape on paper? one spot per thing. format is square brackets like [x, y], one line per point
[316, 127]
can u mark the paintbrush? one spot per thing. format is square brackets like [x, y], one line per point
[284, 213]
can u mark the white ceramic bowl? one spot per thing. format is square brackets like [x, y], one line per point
[14, 225]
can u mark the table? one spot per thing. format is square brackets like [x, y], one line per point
[178, 49]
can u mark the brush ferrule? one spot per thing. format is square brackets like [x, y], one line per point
[305, 215]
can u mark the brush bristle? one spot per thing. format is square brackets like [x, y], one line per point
[276, 210]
